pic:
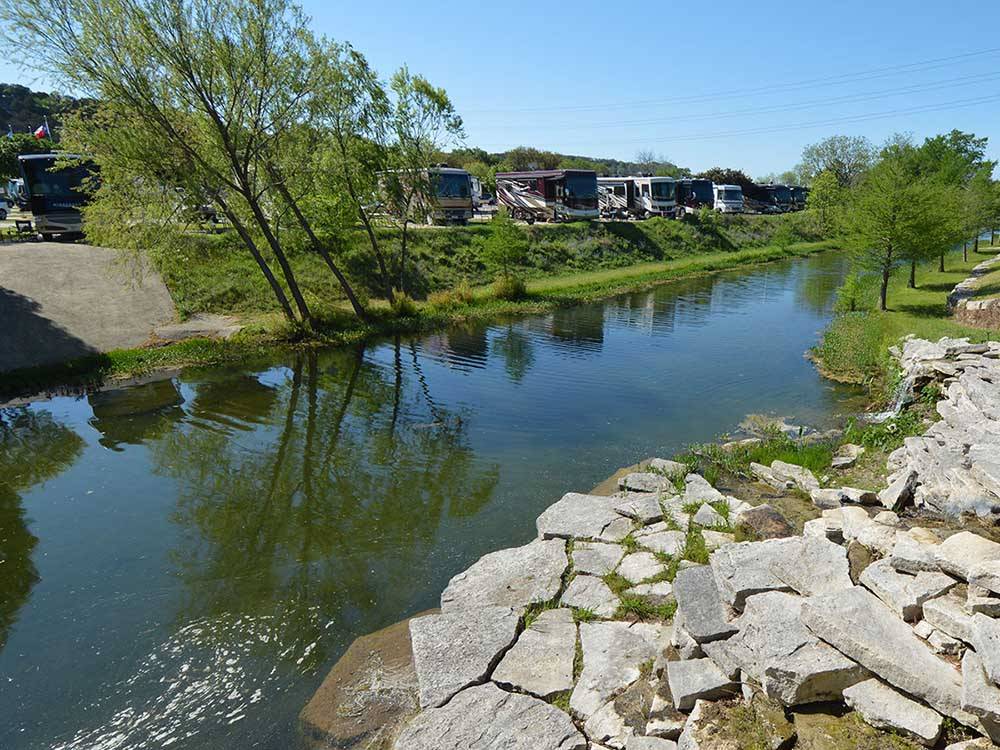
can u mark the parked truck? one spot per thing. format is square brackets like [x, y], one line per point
[549, 194]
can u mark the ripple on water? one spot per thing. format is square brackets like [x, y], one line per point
[207, 674]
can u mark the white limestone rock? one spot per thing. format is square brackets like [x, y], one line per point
[453, 651]
[596, 558]
[904, 594]
[592, 594]
[824, 528]
[708, 516]
[541, 662]
[986, 575]
[812, 566]
[960, 553]
[699, 606]
[846, 456]
[947, 614]
[644, 481]
[986, 641]
[790, 663]
[861, 627]
[799, 476]
[486, 718]
[612, 655]
[513, 577]
[580, 516]
[698, 490]
[639, 566]
[716, 539]
[667, 467]
[980, 696]
[697, 678]
[884, 708]
[911, 556]
[744, 569]
[643, 507]
[655, 593]
[666, 542]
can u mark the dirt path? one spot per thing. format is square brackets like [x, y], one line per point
[59, 301]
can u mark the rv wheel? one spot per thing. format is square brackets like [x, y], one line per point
[47, 236]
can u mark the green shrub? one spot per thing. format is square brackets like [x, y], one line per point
[459, 295]
[510, 288]
[404, 306]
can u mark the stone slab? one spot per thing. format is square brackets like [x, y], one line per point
[596, 558]
[638, 566]
[541, 661]
[592, 594]
[697, 679]
[578, 516]
[700, 606]
[986, 640]
[884, 708]
[744, 569]
[643, 507]
[961, 552]
[903, 593]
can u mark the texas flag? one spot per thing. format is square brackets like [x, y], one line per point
[42, 131]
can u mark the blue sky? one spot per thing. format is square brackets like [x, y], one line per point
[717, 83]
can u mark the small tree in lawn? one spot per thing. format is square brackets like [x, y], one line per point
[423, 123]
[890, 213]
[977, 208]
[505, 249]
[826, 198]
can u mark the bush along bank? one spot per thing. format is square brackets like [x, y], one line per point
[262, 336]
[674, 615]
[855, 346]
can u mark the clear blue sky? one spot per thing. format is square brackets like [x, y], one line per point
[720, 83]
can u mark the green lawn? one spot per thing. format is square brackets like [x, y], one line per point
[855, 346]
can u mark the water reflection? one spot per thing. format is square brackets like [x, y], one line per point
[133, 415]
[33, 448]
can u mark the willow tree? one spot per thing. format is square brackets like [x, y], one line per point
[213, 86]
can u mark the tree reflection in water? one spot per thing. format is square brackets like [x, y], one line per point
[314, 520]
[33, 448]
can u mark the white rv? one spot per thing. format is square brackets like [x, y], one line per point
[655, 196]
[729, 199]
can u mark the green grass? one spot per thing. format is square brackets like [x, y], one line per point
[855, 347]
[736, 459]
[643, 609]
[335, 327]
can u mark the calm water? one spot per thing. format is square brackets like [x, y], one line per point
[182, 561]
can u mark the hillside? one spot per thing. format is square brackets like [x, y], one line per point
[24, 110]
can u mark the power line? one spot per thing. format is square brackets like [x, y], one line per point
[814, 124]
[848, 99]
[843, 78]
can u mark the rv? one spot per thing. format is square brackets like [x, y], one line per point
[451, 194]
[729, 199]
[54, 194]
[693, 194]
[616, 197]
[14, 194]
[799, 197]
[549, 195]
[655, 196]
[480, 197]
[780, 197]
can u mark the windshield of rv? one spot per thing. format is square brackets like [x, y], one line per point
[452, 185]
[663, 191]
[732, 194]
[782, 194]
[43, 181]
[702, 191]
[581, 186]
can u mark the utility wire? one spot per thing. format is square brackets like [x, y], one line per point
[844, 78]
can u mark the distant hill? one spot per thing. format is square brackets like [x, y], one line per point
[24, 110]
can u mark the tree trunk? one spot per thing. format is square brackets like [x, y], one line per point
[359, 310]
[913, 275]
[884, 291]
[241, 230]
[941, 263]
[976, 248]
[279, 254]
[402, 256]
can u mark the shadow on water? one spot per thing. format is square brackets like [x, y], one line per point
[33, 448]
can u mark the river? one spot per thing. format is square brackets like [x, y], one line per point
[182, 561]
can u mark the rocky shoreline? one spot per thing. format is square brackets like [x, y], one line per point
[671, 615]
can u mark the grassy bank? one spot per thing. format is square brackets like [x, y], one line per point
[337, 327]
[212, 273]
[855, 347]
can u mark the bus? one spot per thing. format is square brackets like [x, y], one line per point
[54, 194]
[549, 194]
[452, 199]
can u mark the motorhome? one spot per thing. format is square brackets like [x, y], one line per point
[14, 193]
[451, 194]
[54, 193]
[480, 196]
[692, 194]
[780, 197]
[799, 197]
[729, 199]
[616, 197]
[655, 196]
[549, 194]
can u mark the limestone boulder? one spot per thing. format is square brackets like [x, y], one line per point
[846, 456]
[789, 662]
[699, 605]
[513, 577]
[904, 593]
[623, 718]
[645, 482]
[698, 490]
[643, 507]
[716, 539]
[763, 522]
[799, 476]
[768, 477]
[960, 553]
[986, 575]
[658, 594]
[696, 679]
[744, 569]
[885, 708]
[860, 626]
[638, 566]
[486, 718]
[666, 542]
[612, 655]
[581, 517]
[453, 651]
[986, 640]
[812, 566]
[949, 615]
[708, 516]
[592, 594]
[596, 558]
[667, 467]
[980, 695]
[911, 556]
[541, 662]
